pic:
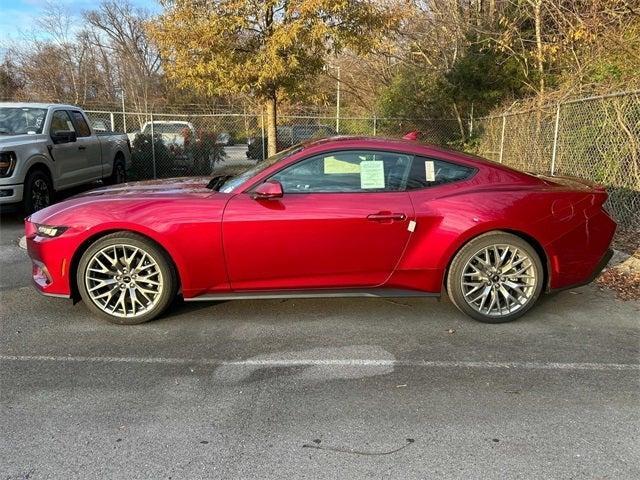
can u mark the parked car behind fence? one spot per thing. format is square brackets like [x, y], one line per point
[288, 135]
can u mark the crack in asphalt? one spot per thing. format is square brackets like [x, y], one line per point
[317, 446]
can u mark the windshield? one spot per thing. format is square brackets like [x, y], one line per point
[176, 128]
[19, 120]
[230, 184]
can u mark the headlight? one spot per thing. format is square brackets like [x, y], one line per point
[49, 231]
[7, 163]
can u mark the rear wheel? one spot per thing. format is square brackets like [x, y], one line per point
[38, 191]
[126, 278]
[119, 173]
[495, 278]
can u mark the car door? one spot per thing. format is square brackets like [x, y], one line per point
[68, 161]
[342, 222]
[88, 147]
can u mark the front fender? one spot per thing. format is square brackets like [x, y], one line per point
[26, 159]
[192, 240]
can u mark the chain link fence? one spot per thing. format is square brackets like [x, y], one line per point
[595, 138]
[172, 145]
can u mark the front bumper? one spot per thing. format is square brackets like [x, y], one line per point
[11, 194]
[51, 264]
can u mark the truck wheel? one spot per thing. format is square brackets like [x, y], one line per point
[38, 191]
[119, 173]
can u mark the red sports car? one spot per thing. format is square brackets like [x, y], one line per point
[336, 217]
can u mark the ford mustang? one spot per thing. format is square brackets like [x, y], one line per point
[336, 217]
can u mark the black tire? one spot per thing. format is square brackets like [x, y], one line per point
[468, 251]
[119, 173]
[38, 191]
[168, 275]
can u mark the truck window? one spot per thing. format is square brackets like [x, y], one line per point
[61, 122]
[81, 125]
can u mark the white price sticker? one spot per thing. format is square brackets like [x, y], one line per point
[430, 171]
[371, 174]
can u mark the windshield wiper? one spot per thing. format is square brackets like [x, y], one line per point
[216, 182]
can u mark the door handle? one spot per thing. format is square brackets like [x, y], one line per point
[82, 147]
[386, 217]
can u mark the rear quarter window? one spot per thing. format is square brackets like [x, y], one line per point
[429, 172]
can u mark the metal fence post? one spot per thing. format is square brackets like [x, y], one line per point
[375, 124]
[504, 122]
[264, 150]
[554, 153]
[153, 147]
[124, 114]
[113, 123]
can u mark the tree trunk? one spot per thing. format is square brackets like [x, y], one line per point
[272, 133]
[537, 14]
[460, 124]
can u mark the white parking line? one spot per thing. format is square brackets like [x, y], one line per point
[283, 363]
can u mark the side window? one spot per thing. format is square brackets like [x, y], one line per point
[428, 172]
[61, 122]
[81, 125]
[347, 171]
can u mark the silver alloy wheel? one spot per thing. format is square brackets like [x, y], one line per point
[499, 280]
[123, 280]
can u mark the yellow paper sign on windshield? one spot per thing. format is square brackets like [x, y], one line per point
[371, 174]
[333, 165]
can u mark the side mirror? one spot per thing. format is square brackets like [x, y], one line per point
[63, 136]
[268, 190]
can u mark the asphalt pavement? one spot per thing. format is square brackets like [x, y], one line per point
[336, 388]
[236, 155]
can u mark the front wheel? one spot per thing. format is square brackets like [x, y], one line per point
[38, 191]
[126, 278]
[495, 278]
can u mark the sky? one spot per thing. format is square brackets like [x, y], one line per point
[17, 17]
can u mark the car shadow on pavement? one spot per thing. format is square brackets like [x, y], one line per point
[179, 307]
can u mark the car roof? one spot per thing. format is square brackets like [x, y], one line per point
[350, 141]
[408, 146]
[35, 105]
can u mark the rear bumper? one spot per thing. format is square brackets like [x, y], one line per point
[596, 271]
[580, 254]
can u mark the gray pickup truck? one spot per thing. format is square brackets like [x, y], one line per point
[49, 147]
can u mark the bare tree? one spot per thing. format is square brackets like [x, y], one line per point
[117, 29]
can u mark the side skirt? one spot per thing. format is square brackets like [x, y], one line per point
[253, 295]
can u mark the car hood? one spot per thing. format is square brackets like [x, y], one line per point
[170, 187]
[10, 141]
